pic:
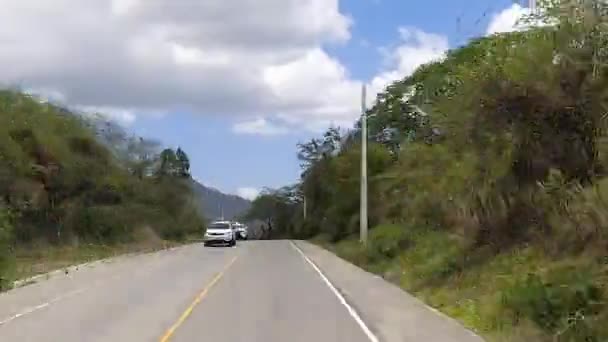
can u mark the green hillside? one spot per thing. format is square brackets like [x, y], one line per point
[487, 183]
[70, 181]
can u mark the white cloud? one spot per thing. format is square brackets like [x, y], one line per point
[208, 57]
[259, 126]
[315, 91]
[231, 58]
[508, 20]
[123, 116]
[415, 49]
[248, 193]
[46, 95]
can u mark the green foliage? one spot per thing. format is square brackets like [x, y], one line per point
[564, 303]
[6, 248]
[168, 163]
[69, 179]
[277, 209]
[386, 242]
[432, 256]
[578, 216]
[183, 163]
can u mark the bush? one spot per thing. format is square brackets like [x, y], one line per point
[386, 241]
[353, 251]
[563, 302]
[6, 248]
[580, 219]
[433, 256]
[104, 224]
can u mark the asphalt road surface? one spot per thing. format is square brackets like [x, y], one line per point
[259, 291]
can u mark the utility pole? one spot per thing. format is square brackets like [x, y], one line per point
[304, 209]
[532, 6]
[363, 206]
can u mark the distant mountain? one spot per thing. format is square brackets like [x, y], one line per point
[213, 202]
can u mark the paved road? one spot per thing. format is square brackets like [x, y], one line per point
[266, 292]
[263, 291]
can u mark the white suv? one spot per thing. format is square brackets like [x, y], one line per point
[220, 232]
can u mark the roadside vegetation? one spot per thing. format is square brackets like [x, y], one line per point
[74, 188]
[488, 187]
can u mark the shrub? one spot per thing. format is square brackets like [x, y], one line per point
[386, 241]
[6, 248]
[581, 218]
[433, 256]
[561, 302]
[353, 251]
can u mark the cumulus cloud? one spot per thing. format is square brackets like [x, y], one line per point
[415, 48]
[210, 57]
[122, 116]
[508, 20]
[318, 79]
[259, 126]
[248, 193]
[314, 91]
[229, 58]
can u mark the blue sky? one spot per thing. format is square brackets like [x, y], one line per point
[237, 84]
[230, 161]
[377, 21]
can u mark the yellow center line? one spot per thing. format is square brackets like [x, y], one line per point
[169, 333]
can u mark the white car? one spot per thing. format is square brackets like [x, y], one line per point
[220, 232]
[241, 231]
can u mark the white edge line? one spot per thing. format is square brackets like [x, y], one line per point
[370, 335]
[32, 309]
[35, 308]
[61, 297]
[440, 314]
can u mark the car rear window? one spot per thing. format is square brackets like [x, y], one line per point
[219, 226]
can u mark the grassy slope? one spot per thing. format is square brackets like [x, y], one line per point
[56, 176]
[35, 261]
[476, 295]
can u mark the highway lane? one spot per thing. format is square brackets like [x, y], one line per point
[266, 291]
[134, 299]
[286, 300]
[262, 291]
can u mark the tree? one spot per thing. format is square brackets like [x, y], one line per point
[173, 163]
[168, 163]
[142, 154]
[309, 153]
[331, 142]
[183, 163]
[277, 209]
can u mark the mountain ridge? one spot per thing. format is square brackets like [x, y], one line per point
[215, 204]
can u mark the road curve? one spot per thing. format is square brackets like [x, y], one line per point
[267, 291]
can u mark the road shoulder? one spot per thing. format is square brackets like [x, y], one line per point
[393, 314]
